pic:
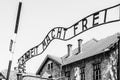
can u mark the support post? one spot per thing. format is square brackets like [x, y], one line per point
[19, 76]
[118, 67]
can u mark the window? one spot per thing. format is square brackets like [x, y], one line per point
[67, 73]
[82, 73]
[50, 66]
[96, 72]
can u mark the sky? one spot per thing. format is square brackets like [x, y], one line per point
[38, 17]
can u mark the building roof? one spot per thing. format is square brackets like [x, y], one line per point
[91, 48]
[84, 47]
[54, 58]
[57, 59]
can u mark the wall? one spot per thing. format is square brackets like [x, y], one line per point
[55, 72]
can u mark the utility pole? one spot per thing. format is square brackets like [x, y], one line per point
[12, 42]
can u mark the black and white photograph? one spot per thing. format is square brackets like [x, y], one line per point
[60, 39]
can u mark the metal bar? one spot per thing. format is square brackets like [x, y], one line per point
[9, 68]
[16, 29]
[18, 17]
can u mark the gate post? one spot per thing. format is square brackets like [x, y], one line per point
[19, 76]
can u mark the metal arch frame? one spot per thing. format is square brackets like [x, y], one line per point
[23, 58]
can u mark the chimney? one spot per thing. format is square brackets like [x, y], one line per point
[79, 45]
[69, 50]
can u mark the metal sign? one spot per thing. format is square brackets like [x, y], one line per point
[105, 16]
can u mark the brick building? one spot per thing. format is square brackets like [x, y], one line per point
[93, 60]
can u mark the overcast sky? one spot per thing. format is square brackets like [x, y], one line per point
[38, 17]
